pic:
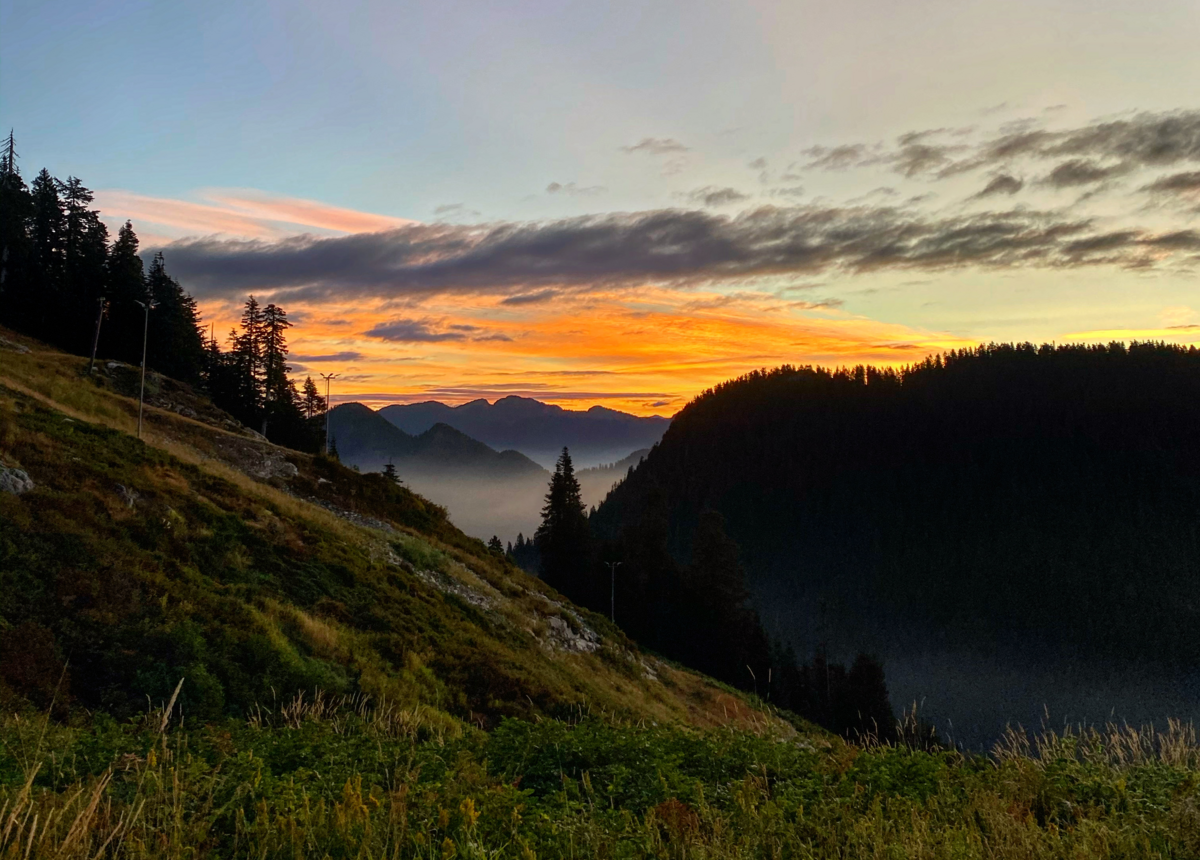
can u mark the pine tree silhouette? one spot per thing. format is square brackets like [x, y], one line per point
[563, 539]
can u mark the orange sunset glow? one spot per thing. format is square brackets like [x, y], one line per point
[647, 353]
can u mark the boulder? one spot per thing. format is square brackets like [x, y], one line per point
[13, 480]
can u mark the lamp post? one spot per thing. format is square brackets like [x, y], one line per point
[147, 306]
[612, 569]
[328, 407]
[96, 339]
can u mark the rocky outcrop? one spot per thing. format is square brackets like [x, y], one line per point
[13, 346]
[14, 480]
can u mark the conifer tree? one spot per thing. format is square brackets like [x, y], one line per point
[176, 346]
[125, 280]
[725, 638]
[563, 539]
[46, 235]
[276, 387]
[314, 403]
[16, 213]
[246, 361]
[389, 472]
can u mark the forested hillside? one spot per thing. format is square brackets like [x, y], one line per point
[66, 281]
[1013, 499]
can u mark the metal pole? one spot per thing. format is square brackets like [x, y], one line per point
[328, 408]
[145, 336]
[612, 569]
[96, 339]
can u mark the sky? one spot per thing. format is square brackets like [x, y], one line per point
[623, 203]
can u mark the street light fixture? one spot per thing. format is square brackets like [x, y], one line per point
[328, 407]
[147, 306]
[612, 569]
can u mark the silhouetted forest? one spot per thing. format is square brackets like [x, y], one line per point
[1044, 499]
[65, 280]
[696, 610]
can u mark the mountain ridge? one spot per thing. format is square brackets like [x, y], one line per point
[538, 430]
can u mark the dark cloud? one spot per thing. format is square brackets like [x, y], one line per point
[570, 189]
[1147, 139]
[657, 146]
[1119, 146]
[915, 157]
[1080, 171]
[824, 304]
[333, 356]
[916, 153]
[711, 195]
[1002, 184]
[530, 298]
[759, 164]
[1179, 240]
[492, 337]
[412, 331]
[840, 157]
[456, 211]
[671, 247]
[788, 191]
[1176, 183]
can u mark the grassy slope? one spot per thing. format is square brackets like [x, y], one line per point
[239, 585]
[144, 563]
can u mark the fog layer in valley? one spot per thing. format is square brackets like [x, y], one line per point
[483, 506]
[971, 694]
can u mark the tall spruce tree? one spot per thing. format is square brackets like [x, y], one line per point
[563, 539]
[246, 361]
[314, 403]
[47, 229]
[85, 252]
[277, 389]
[176, 344]
[283, 418]
[121, 336]
[16, 214]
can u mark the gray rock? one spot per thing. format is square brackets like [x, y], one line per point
[13, 480]
[128, 495]
[19, 348]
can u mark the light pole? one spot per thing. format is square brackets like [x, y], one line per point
[612, 569]
[328, 407]
[147, 306]
[96, 339]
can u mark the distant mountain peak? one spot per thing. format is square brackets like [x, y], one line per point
[536, 429]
